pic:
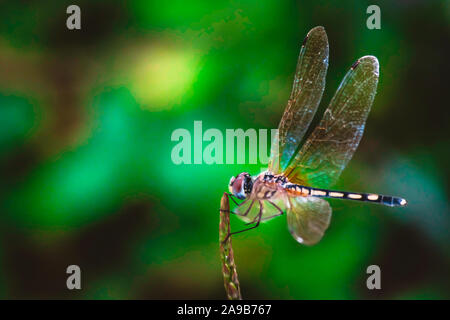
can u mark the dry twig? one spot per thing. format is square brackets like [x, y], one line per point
[230, 277]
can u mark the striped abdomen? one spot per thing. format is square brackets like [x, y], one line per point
[367, 197]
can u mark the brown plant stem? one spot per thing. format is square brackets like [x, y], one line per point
[230, 277]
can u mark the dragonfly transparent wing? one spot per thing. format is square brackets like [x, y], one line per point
[333, 142]
[267, 200]
[249, 211]
[308, 218]
[309, 83]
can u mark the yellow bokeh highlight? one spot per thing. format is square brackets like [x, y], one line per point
[162, 76]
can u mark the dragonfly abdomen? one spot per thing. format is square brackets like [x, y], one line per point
[366, 197]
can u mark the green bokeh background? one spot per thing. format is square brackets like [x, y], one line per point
[86, 175]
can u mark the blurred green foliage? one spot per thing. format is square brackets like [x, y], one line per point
[86, 174]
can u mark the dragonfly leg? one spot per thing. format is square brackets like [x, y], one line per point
[256, 225]
[238, 204]
[280, 212]
[231, 196]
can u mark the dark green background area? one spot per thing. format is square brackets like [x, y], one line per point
[86, 175]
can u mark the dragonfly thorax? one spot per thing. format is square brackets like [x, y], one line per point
[241, 185]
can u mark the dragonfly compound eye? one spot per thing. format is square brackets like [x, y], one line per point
[236, 186]
[230, 184]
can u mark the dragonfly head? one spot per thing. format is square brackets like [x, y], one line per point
[241, 185]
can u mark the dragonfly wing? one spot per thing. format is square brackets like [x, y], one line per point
[309, 83]
[308, 218]
[267, 200]
[333, 142]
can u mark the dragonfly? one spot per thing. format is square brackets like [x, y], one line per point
[300, 175]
